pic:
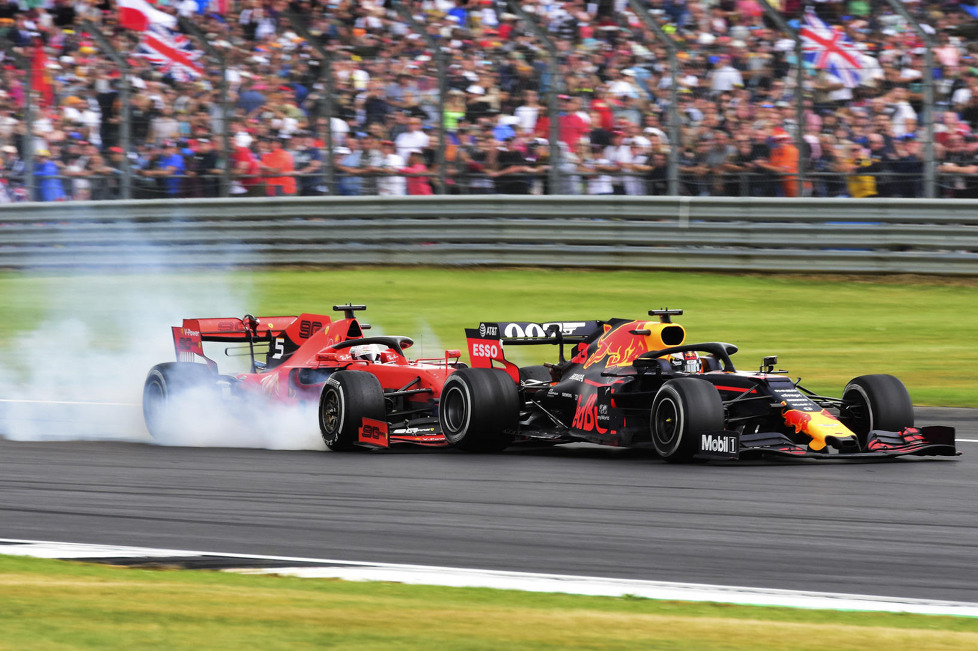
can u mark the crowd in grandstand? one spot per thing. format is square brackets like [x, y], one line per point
[735, 90]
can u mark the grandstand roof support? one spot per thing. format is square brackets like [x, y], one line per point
[556, 154]
[124, 118]
[671, 51]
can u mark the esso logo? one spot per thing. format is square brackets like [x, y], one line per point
[485, 350]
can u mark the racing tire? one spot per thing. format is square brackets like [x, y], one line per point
[479, 409]
[875, 402]
[347, 398]
[169, 389]
[683, 409]
[541, 373]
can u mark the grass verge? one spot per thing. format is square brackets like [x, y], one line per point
[825, 329]
[56, 605]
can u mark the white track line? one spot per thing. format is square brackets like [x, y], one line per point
[526, 581]
[71, 402]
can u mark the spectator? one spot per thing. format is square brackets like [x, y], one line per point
[391, 184]
[349, 167]
[784, 162]
[417, 182]
[308, 160]
[171, 169]
[247, 179]
[908, 168]
[412, 139]
[48, 173]
[512, 170]
[204, 170]
[279, 168]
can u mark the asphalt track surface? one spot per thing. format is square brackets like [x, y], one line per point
[903, 528]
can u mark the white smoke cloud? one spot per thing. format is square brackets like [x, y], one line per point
[79, 374]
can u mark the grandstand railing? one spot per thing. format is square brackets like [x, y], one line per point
[759, 234]
[825, 184]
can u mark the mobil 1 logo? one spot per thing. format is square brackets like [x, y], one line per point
[719, 445]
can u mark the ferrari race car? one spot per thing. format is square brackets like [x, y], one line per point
[639, 384]
[368, 393]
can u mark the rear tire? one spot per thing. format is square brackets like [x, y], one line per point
[169, 388]
[479, 409]
[347, 398]
[683, 409]
[875, 402]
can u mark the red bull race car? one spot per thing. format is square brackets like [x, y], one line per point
[638, 383]
[368, 393]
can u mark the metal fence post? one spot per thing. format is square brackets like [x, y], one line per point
[326, 77]
[124, 133]
[27, 65]
[671, 49]
[192, 29]
[556, 154]
[779, 20]
[930, 164]
[439, 54]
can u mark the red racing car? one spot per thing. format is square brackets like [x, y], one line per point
[368, 392]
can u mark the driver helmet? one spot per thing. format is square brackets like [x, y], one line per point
[367, 352]
[686, 362]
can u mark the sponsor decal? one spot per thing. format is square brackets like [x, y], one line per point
[617, 346]
[576, 377]
[794, 399]
[586, 416]
[489, 330]
[269, 385]
[406, 431]
[374, 432]
[719, 444]
[187, 332]
[816, 424]
[307, 328]
[538, 330]
[332, 381]
[485, 350]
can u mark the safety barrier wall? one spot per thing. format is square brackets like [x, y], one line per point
[791, 235]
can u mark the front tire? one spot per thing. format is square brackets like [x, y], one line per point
[479, 409]
[683, 409]
[876, 402]
[347, 398]
[169, 389]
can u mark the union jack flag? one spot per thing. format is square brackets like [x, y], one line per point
[171, 52]
[828, 48]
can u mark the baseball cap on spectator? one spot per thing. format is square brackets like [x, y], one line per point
[115, 150]
[43, 152]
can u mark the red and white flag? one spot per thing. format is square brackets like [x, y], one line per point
[138, 15]
[171, 52]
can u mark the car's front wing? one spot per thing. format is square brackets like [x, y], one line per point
[926, 441]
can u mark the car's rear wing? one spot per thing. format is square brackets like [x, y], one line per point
[188, 339]
[486, 342]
